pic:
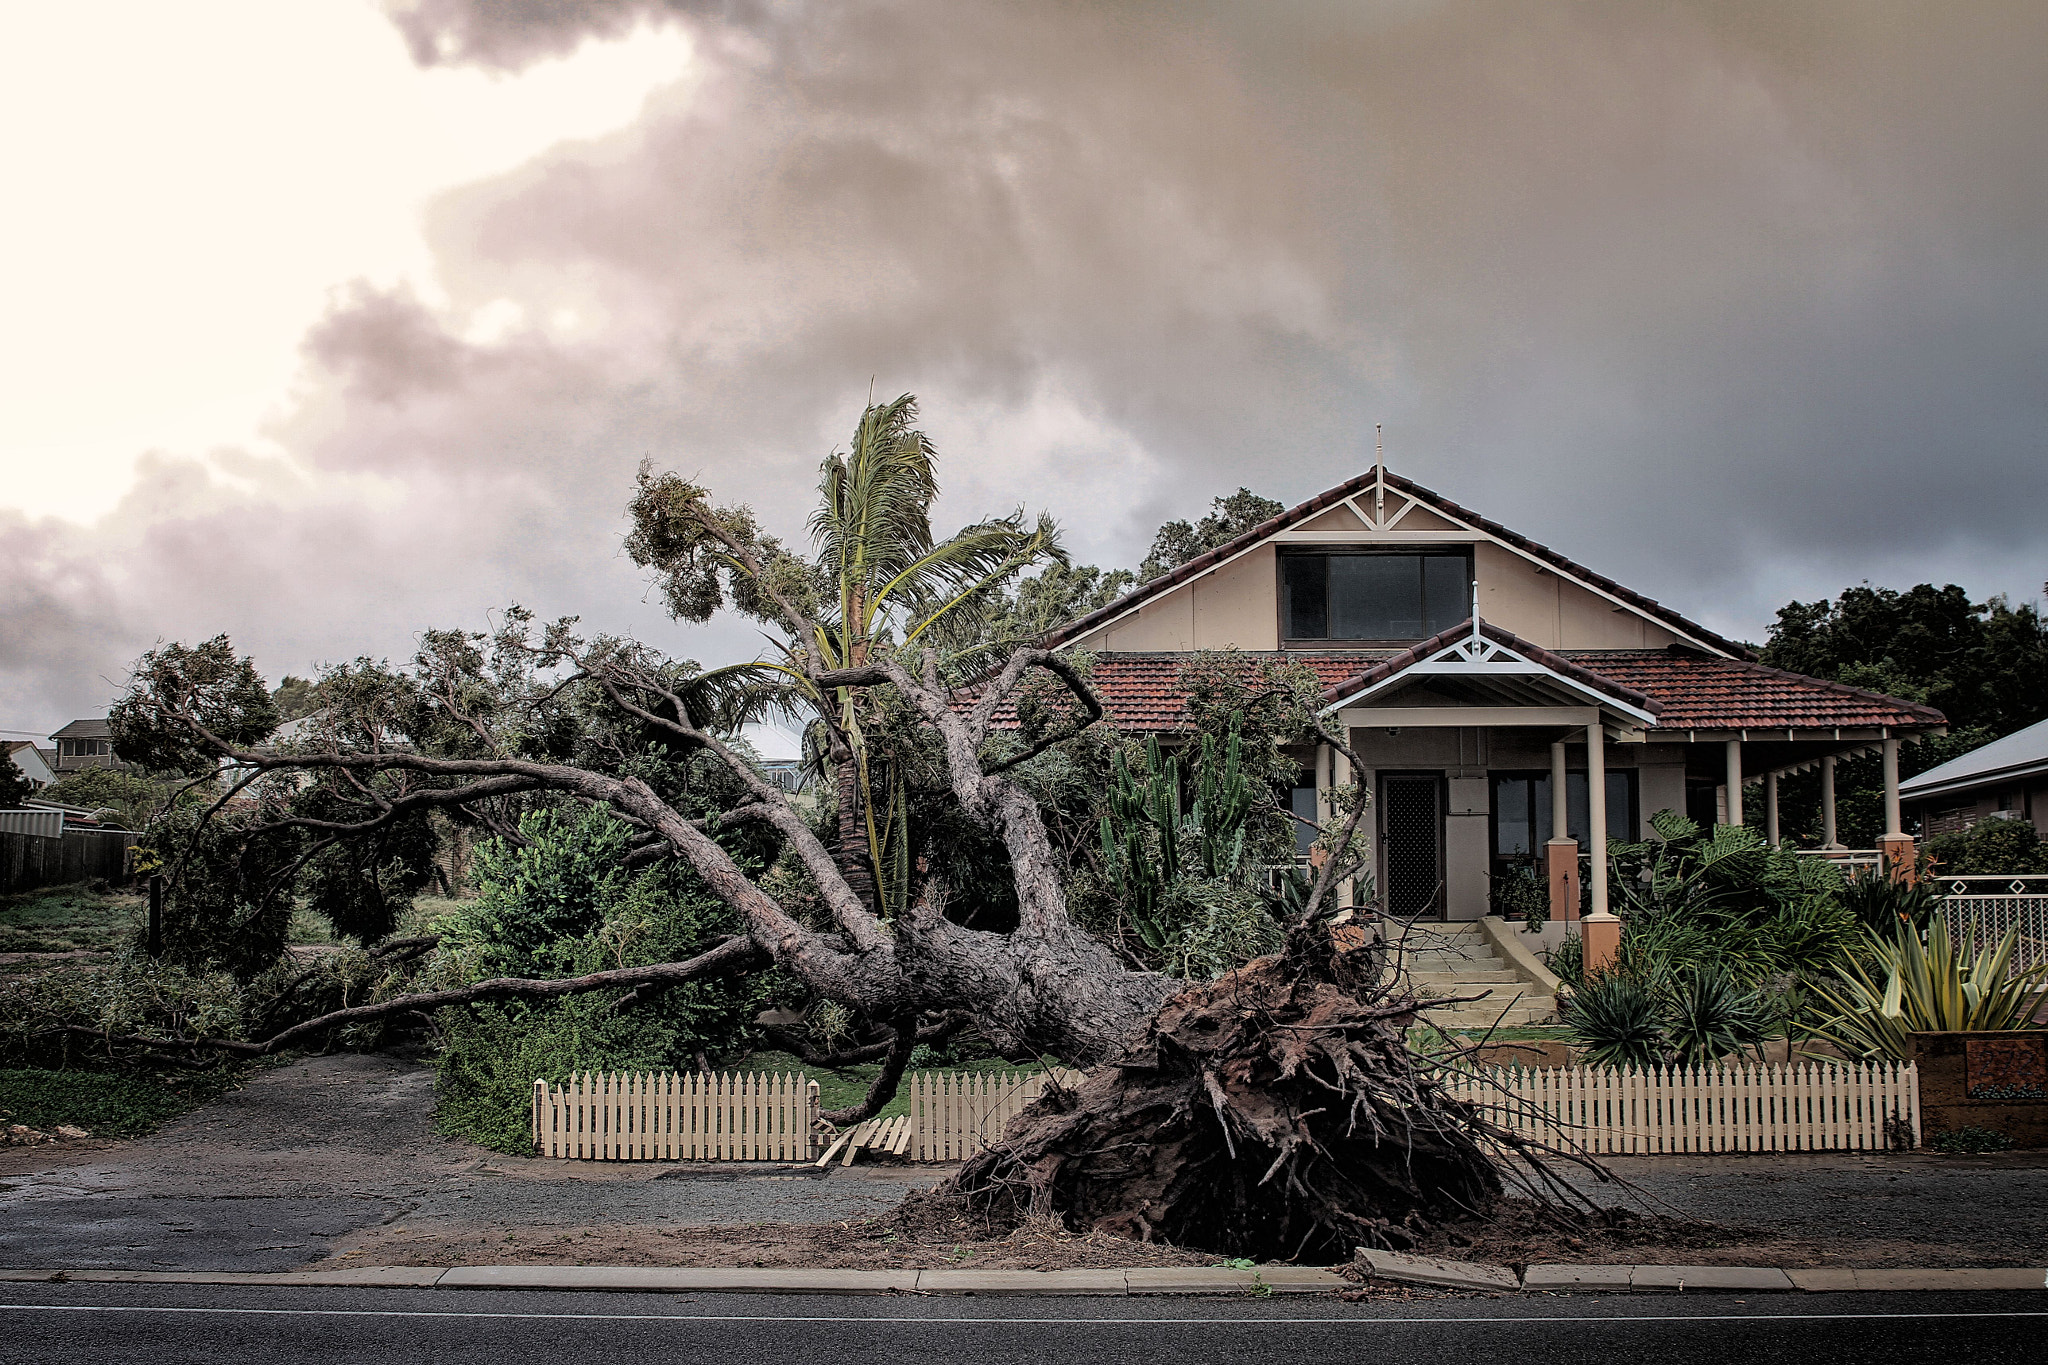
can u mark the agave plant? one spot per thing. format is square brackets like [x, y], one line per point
[1908, 983]
[1618, 1020]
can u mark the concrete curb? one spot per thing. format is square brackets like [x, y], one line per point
[701, 1280]
[1384, 1266]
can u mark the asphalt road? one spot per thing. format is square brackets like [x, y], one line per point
[169, 1325]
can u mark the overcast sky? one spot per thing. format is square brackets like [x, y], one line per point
[326, 322]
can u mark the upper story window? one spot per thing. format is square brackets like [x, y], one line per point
[1372, 597]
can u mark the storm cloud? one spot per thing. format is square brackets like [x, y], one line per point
[1734, 302]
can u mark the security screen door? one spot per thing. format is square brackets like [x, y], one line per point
[1412, 844]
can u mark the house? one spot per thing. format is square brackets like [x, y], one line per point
[27, 757]
[1509, 704]
[2006, 779]
[85, 744]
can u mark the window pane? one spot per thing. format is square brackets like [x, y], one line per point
[1375, 597]
[1306, 596]
[1510, 816]
[1302, 801]
[1446, 593]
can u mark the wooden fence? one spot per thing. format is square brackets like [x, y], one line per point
[29, 861]
[695, 1116]
[758, 1117]
[1801, 1107]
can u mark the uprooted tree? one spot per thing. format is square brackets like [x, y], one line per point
[1275, 1111]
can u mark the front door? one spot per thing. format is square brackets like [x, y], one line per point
[1412, 844]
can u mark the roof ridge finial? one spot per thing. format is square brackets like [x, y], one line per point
[1379, 476]
[1475, 608]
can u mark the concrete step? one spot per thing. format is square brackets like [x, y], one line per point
[1477, 1017]
[1467, 977]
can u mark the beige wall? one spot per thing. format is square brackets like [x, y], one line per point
[1546, 609]
[1236, 605]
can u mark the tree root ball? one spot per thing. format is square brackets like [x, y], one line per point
[1275, 1113]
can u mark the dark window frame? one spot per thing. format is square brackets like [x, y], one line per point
[1627, 827]
[1328, 552]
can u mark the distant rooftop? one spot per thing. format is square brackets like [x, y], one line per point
[2020, 754]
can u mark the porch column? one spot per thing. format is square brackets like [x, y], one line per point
[1341, 776]
[1827, 803]
[1771, 809]
[1601, 929]
[1734, 781]
[1561, 853]
[1895, 848]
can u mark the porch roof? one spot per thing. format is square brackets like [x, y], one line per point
[1683, 689]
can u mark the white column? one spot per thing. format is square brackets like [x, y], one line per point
[1734, 781]
[1827, 803]
[1771, 809]
[1560, 808]
[1596, 812]
[1341, 776]
[1891, 788]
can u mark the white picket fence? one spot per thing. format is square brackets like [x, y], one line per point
[691, 1116]
[761, 1117]
[954, 1113]
[1800, 1107]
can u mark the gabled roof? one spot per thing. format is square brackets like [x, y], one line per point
[85, 729]
[2022, 753]
[1329, 498]
[1456, 647]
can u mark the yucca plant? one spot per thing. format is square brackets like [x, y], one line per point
[1618, 1019]
[1909, 984]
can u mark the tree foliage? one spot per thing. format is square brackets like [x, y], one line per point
[1983, 664]
[1179, 541]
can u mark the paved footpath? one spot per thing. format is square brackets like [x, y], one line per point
[173, 1325]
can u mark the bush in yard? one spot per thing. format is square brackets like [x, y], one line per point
[1989, 847]
[104, 1105]
[565, 904]
[1907, 982]
[1970, 1141]
[1687, 1019]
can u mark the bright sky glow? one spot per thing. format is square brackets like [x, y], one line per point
[187, 184]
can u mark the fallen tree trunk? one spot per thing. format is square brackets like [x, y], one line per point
[1275, 1113]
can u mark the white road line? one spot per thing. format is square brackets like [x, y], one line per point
[985, 1321]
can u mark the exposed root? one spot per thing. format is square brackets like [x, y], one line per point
[1277, 1113]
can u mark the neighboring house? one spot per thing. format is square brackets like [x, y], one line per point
[1466, 725]
[2006, 779]
[27, 757]
[85, 744]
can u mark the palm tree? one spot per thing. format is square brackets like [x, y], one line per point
[884, 583]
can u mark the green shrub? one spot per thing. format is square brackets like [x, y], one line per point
[1906, 983]
[102, 1104]
[1688, 1019]
[1989, 847]
[1971, 1141]
[1616, 1019]
[1881, 904]
[565, 904]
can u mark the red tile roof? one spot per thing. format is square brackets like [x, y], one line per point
[1330, 498]
[1686, 690]
[1732, 694]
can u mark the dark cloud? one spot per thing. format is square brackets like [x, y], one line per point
[1736, 302]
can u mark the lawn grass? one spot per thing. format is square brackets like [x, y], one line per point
[847, 1086]
[64, 919]
[102, 1104]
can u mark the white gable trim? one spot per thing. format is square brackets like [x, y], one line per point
[1474, 655]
